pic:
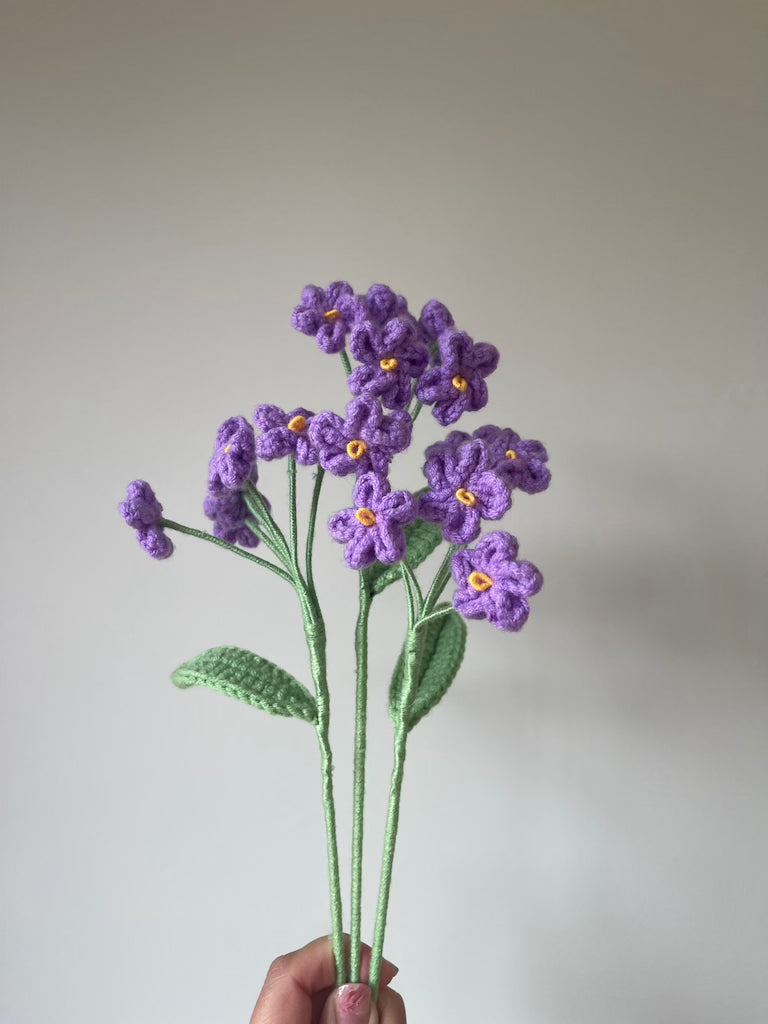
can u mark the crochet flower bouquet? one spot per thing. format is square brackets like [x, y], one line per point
[403, 364]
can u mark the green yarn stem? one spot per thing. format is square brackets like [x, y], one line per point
[311, 531]
[314, 631]
[273, 535]
[440, 581]
[416, 410]
[293, 526]
[180, 528]
[358, 788]
[395, 789]
[345, 361]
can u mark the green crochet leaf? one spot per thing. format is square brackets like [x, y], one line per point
[249, 678]
[421, 539]
[440, 652]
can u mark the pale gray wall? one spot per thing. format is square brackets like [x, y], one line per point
[584, 829]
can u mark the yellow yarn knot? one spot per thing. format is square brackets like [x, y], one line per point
[480, 581]
[511, 454]
[356, 449]
[388, 364]
[466, 497]
[331, 315]
[365, 516]
[297, 424]
[228, 449]
[460, 383]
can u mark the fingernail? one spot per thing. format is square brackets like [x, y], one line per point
[353, 1004]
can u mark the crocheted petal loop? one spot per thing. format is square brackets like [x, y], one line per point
[435, 318]
[522, 579]
[505, 610]
[495, 550]
[485, 358]
[366, 343]
[343, 525]
[268, 416]
[390, 543]
[398, 507]
[491, 493]
[370, 489]
[360, 552]
[470, 603]
[461, 523]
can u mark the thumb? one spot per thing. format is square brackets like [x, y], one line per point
[350, 1004]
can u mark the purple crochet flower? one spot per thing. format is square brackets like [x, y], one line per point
[456, 385]
[142, 511]
[374, 528]
[521, 463]
[229, 512]
[392, 356]
[434, 319]
[327, 314]
[234, 457]
[284, 433]
[463, 490]
[492, 584]
[366, 440]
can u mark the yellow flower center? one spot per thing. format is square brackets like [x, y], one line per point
[228, 449]
[331, 315]
[365, 516]
[480, 581]
[460, 383]
[356, 449]
[511, 454]
[388, 364]
[297, 424]
[466, 497]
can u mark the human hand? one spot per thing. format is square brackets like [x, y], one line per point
[300, 989]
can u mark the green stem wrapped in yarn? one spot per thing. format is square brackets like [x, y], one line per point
[358, 793]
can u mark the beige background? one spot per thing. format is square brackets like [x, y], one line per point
[584, 827]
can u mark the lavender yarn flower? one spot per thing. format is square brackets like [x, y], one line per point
[392, 356]
[374, 528]
[229, 513]
[521, 463]
[366, 440]
[457, 384]
[492, 584]
[285, 433]
[234, 456]
[142, 511]
[463, 491]
[327, 314]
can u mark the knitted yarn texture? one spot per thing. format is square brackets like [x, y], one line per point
[404, 363]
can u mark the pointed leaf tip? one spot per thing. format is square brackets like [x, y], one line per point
[249, 678]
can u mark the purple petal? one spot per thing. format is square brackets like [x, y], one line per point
[461, 524]
[361, 549]
[398, 507]
[484, 358]
[495, 550]
[267, 417]
[370, 489]
[435, 318]
[390, 543]
[491, 493]
[505, 611]
[343, 525]
[470, 603]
